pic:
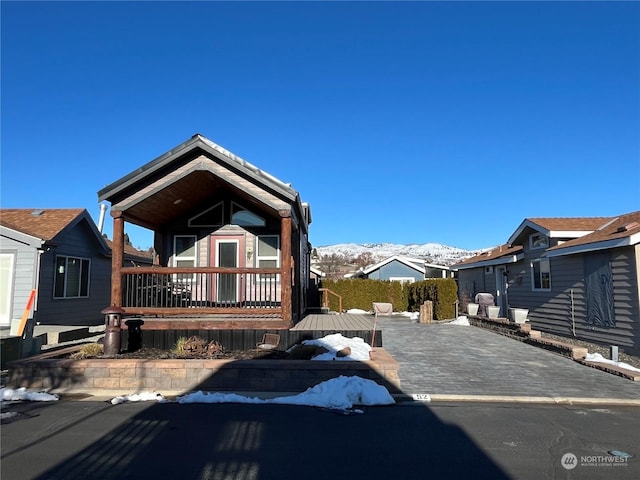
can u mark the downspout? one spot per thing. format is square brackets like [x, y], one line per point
[573, 315]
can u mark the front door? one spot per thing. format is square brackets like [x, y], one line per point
[227, 252]
[598, 290]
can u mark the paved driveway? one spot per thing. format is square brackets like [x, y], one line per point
[441, 359]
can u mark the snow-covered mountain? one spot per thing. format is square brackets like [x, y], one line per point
[436, 252]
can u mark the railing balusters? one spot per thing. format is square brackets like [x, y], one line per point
[157, 288]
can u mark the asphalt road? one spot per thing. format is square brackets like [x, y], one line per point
[72, 439]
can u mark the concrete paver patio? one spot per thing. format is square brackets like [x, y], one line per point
[442, 359]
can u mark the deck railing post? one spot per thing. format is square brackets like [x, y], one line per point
[286, 279]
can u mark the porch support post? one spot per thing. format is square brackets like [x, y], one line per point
[117, 258]
[285, 251]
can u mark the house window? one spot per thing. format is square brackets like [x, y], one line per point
[402, 279]
[245, 218]
[184, 254]
[268, 252]
[212, 217]
[541, 274]
[72, 277]
[537, 240]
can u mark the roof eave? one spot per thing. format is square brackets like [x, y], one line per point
[594, 246]
[198, 141]
[21, 237]
[487, 263]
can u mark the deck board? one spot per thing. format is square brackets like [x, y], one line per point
[343, 322]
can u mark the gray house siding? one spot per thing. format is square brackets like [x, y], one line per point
[25, 258]
[475, 280]
[395, 269]
[563, 309]
[81, 242]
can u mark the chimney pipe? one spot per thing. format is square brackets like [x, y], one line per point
[103, 210]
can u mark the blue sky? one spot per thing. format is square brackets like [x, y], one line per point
[398, 122]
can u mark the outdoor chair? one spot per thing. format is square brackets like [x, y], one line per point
[269, 341]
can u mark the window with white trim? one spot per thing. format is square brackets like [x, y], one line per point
[540, 274]
[184, 254]
[402, 279]
[72, 277]
[267, 252]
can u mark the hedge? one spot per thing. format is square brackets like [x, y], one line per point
[407, 297]
[443, 292]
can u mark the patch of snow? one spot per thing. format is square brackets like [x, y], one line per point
[138, 397]
[462, 320]
[6, 415]
[357, 311]
[9, 394]
[339, 393]
[596, 357]
[360, 351]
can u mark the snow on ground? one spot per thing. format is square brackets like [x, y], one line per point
[360, 351]
[357, 311]
[339, 393]
[9, 394]
[138, 397]
[411, 315]
[596, 357]
[462, 320]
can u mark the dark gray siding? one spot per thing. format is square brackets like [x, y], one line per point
[475, 280]
[80, 242]
[563, 309]
[395, 269]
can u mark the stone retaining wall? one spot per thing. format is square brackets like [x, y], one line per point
[185, 375]
[523, 332]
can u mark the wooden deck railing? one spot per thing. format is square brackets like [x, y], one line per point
[207, 290]
[325, 298]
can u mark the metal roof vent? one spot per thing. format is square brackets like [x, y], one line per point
[37, 213]
[627, 227]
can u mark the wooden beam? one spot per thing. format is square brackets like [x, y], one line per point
[181, 311]
[117, 258]
[285, 252]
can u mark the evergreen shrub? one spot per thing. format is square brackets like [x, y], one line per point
[443, 292]
[361, 293]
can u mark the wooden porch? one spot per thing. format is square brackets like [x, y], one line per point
[241, 331]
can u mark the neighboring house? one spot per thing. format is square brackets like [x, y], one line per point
[403, 269]
[61, 255]
[576, 276]
[231, 241]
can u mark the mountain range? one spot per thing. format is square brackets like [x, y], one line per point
[435, 252]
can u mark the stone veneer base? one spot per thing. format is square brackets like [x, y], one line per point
[185, 375]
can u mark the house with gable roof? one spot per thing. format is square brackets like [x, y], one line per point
[231, 242]
[578, 277]
[61, 255]
[400, 268]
